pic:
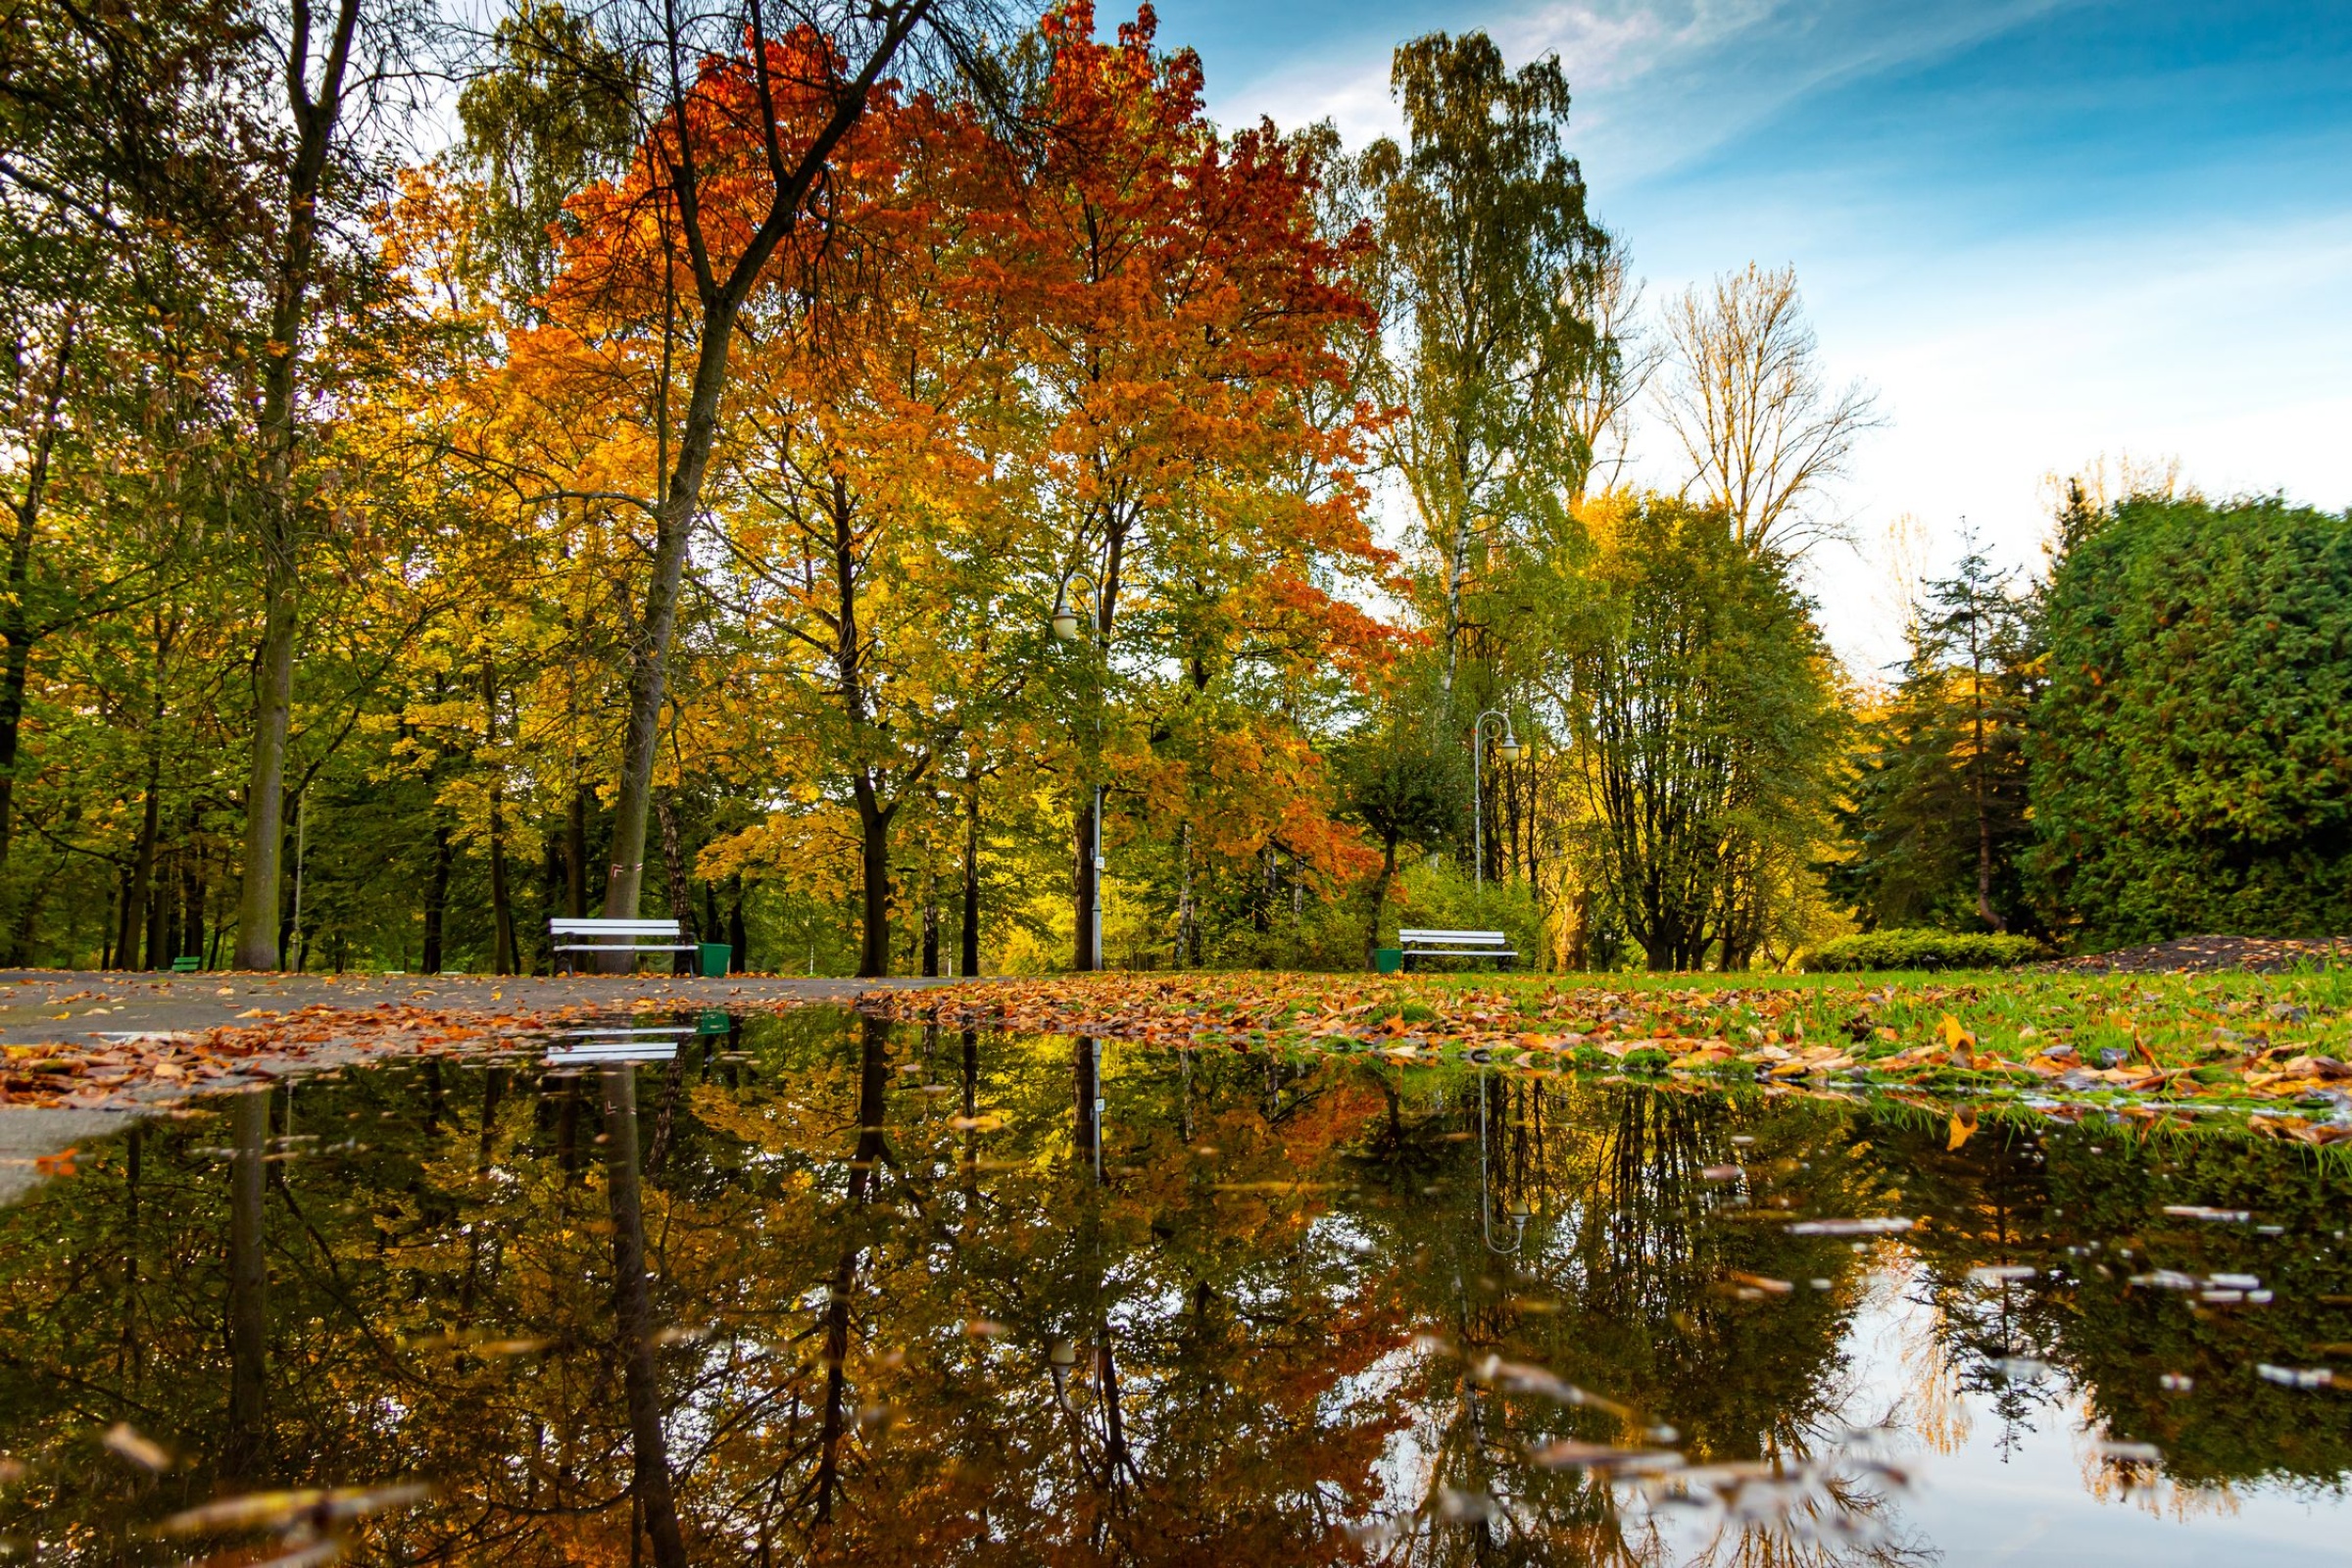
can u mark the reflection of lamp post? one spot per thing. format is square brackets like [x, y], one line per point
[1478, 808]
[1065, 626]
[1517, 1207]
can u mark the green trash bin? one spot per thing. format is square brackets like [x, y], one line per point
[1388, 960]
[717, 956]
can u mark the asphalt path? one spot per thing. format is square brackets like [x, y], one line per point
[73, 1006]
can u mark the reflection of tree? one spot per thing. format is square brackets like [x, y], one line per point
[1987, 1209]
[245, 1440]
[828, 1319]
[1623, 1287]
[873, 1067]
[2058, 1202]
[633, 1323]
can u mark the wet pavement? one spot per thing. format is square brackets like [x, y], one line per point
[40, 1004]
[815, 1289]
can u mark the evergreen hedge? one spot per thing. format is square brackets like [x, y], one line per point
[1922, 950]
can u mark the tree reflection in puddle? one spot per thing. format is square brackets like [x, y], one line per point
[823, 1290]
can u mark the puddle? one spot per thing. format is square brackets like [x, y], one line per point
[889, 1294]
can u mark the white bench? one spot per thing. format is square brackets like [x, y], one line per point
[631, 937]
[1495, 945]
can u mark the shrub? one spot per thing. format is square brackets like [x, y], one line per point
[1922, 950]
[1435, 896]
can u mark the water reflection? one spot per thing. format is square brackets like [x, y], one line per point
[859, 1293]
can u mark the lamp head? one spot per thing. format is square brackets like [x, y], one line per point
[1065, 625]
[1510, 747]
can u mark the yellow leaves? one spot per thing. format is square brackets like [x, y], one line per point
[1962, 1044]
[1964, 1124]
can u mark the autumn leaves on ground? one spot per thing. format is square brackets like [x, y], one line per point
[2271, 1045]
[2058, 1041]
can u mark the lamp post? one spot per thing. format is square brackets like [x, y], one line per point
[1477, 804]
[1066, 622]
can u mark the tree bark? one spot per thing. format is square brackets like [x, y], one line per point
[436, 899]
[674, 865]
[873, 860]
[1188, 935]
[16, 631]
[135, 923]
[1380, 897]
[967, 957]
[502, 902]
[575, 855]
[1087, 884]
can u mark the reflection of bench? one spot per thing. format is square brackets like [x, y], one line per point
[1495, 945]
[631, 937]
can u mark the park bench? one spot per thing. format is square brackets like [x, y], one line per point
[187, 963]
[615, 935]
[1418, 944]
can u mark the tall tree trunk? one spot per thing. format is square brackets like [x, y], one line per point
[931, 933]
[1985, 910]
[111, 931]
[502, 902]
[436, 899]
[633, 1321]
[135, 923]
[315, 120]
[737, 938]
[16, 631]
[873, 861]
[163, 929]
[193, 892]
[674, 865]
[968, 954]
[1380, 897]
[1186, 932]
[244, 1444]
[1086, 884]
[575, 855]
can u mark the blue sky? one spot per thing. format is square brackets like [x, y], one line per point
[2043, 230]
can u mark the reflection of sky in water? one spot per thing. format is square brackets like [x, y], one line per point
[2022, 1492]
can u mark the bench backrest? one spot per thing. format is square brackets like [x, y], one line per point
[1466, 939]
[612, 928]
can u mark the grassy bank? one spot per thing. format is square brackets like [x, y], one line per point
[2270, 1043]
